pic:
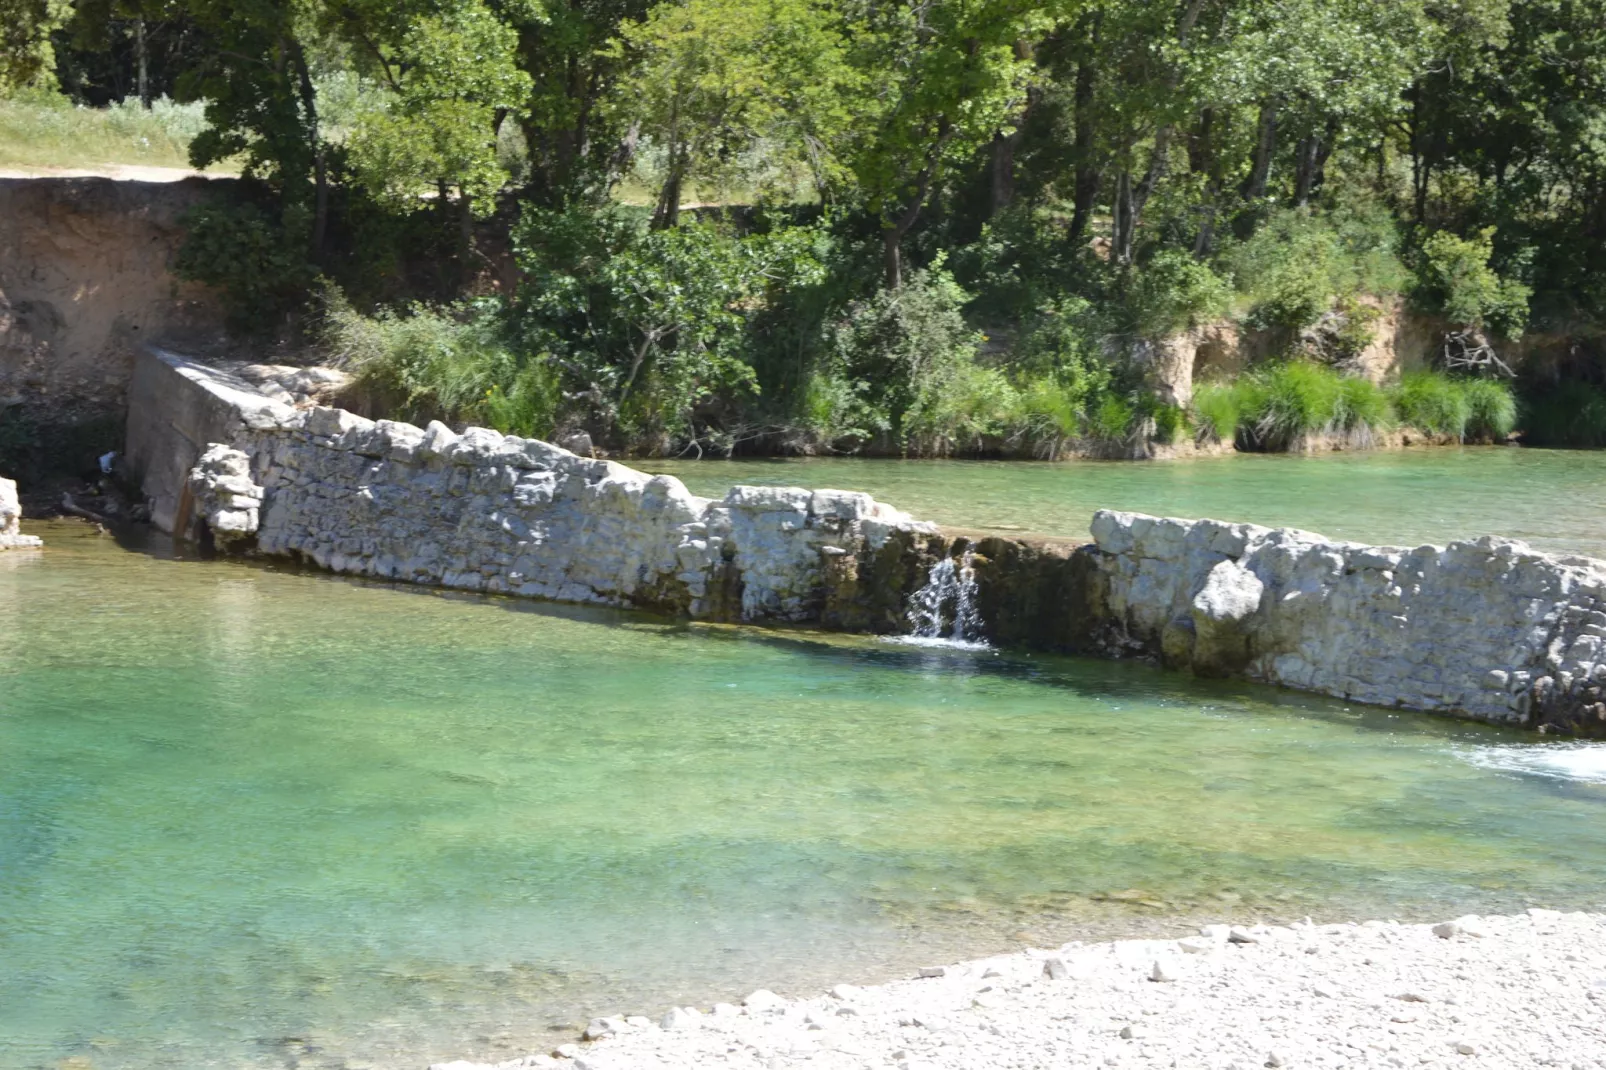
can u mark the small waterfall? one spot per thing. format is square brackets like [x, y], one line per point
[948, 596]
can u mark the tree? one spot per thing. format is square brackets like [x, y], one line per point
[718, 77]
[26, 55]
[942, 78]
[448, 78]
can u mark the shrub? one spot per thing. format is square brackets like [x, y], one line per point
[258, 262]
[903, 347]
[1279, 407]
[1456, 279]
[1299, 262]
[650, 326]
[1174, 292]
[443, 363]
[1459, 408]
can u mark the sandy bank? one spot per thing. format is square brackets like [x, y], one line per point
[1527, 990]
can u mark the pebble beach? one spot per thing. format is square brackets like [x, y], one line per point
[1497, 991]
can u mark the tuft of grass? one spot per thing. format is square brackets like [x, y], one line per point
[1434, 403]
[1278, 408]
[1493, 409]
[40, 130]
[1217, 410]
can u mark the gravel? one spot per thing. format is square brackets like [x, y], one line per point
[1518, 991]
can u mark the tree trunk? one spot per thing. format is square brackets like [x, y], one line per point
[1130, 199]
[1085, 188]
[1305, 154]
[320, 166]
[1121, 231]
[892, 257]
[142, 54]
[1202, 161]
[1254, 186]
[666, 215]
[1004, 170]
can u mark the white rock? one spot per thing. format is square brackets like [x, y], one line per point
[1196, 946]
[764, 1001]
[1163, 970]
[1054, 969]
[933, 971]
[1446, 929]
[681, 1018]
[1462, 1047]
[1239, 935]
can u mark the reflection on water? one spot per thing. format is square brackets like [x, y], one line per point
[1555, 499]
[250, 817]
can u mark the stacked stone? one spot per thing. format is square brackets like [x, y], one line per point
[1489, 629]
[483, 511]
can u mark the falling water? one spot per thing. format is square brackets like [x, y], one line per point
[949, 595]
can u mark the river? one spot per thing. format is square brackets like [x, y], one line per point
[256, 817]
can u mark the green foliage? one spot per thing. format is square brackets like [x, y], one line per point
[446, 363]
[902, 348]
[1479, 409]
[1280, 407]
[1492, 409]
[1434, 403]
[649, 325]
[1299, 264]
[1457, 280]
[27, 58]
[1174, 292]
[1217, 409]
[255, 261]
[717, 78]
[449, 71]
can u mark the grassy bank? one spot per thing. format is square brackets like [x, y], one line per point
[46, 131]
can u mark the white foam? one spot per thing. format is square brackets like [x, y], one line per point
[937, 642]
[1581, 762]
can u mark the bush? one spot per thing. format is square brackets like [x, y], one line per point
[1218, 410]
[447, 363]
[1492, 409]
[1174, 292]
[1301, 262]
[258, 262]
[1456, 280]
[652, 328]
[901, 348]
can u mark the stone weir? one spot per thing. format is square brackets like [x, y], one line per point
[1489, 630]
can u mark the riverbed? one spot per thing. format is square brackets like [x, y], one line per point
[253, 816]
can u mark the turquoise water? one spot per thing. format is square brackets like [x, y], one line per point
[251, 817]
[1555, 499]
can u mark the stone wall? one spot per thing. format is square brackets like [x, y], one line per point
[482, 511]
[1490, 629]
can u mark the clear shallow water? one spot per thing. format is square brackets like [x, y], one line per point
[252, 818]
[1554, 499]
